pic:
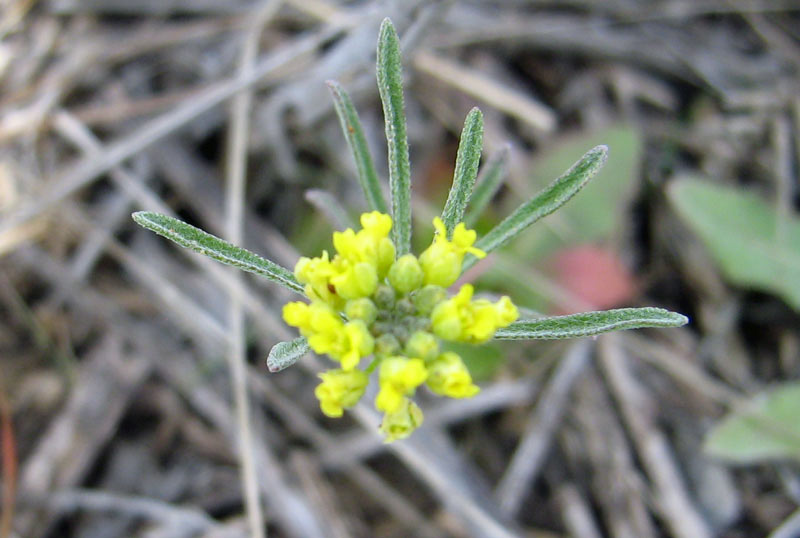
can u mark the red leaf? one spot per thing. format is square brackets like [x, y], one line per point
[595, 276]
[9, 459]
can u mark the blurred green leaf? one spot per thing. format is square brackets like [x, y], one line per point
[329, 206]
[284, 354]
[467, 160]
[741, 231]
[215, 248]
[354, 133]
[765, 427]
[589, 324]
[390, 88]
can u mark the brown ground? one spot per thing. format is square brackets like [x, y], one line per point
[116, 348]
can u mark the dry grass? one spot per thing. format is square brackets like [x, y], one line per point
[129, 421]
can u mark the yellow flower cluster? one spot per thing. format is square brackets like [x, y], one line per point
[365, 302]
[362, 260]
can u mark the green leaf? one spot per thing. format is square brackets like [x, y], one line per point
[589, 324]
[390, 87]
[487, 184]
[218, 249]
[753, 246]
[547, 201]
[764, 427]
[354, 133]
[467, 160]
[284, 354]
[599, 211]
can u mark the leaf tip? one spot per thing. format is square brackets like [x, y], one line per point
[386, 25]
[670, 318]
[680, 319]
[140, 217]
[336, 90]
[601, 151]
[387, 35]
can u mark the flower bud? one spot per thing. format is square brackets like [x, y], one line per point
[419, 324]
[387, 344]
[405, 306]
[398, 377]
[401, 332]
[428, 297]
[384, 297]
[406, 274]
[422, 345]
[362, 309]
[399, 424]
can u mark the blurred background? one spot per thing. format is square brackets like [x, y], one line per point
[125, 361]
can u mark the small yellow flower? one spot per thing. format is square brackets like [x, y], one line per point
[370, 245]
[399, 376]
[357, 343]
[354, 280]
[446, 318]
[324, 329]
[296, 314]
[441, 262]
[448, 376]
[340, 389]
[312, 319]
[506, 311]
[484, 322]
[328, 334]
[400, 423]
[460, 319]
[316, 274]
[376, 223]
[323, 319]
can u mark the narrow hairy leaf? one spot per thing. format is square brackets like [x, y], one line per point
[487, 184]
[551, 198]
[354, 133]
[753, 245]
[589, 324]
[763, 428]
[218, 249]
[284, 354]
[390, 87]
[467, 160]
[598, 213]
